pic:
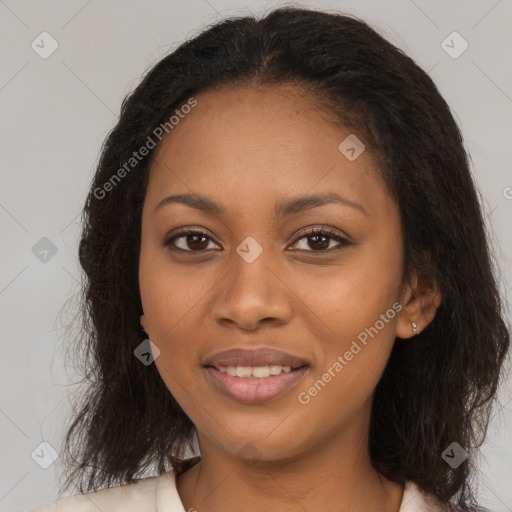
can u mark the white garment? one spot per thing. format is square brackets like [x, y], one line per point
[159, 494]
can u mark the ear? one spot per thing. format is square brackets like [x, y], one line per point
[143, 322]
[420, 299]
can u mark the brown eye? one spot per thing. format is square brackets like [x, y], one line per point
[196, 242]
[189, 241]
[319, 240]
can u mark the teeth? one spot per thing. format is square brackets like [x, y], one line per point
[276, 369]
[243, 371]
[258, 372]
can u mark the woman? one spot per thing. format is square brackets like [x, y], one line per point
[285, 207]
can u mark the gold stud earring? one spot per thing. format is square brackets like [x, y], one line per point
[414, 327]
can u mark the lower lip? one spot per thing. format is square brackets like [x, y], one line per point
[248, 390]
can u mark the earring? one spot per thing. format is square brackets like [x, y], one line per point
[414, 327]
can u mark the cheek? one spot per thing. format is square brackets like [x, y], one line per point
[358, 303]
[351, 296]
[175, 303]
[169, 292]
[353, 361]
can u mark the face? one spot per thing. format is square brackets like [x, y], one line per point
[268, 267]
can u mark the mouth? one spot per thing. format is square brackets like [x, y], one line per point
[254, 376]
[257, 372]
[255, 358]
[252, 385]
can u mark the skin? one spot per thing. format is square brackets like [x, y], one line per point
[248, 148]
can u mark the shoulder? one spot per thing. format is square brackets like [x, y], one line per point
[145, 495]
[416, 500]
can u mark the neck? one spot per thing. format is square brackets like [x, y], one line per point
[330, 477]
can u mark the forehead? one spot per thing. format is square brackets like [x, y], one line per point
[259, 142]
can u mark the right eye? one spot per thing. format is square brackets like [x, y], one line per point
[190, 240]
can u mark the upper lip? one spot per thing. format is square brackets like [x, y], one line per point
[259, 357]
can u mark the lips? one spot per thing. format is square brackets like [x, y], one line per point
[254, 391]
[254, 358]
[254, 377]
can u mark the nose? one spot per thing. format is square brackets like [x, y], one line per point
[253, 294]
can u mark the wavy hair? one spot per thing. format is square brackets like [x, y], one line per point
[436, 389]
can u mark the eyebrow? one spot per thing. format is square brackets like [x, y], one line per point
[282, 209]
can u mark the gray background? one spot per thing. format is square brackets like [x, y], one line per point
[55, 115]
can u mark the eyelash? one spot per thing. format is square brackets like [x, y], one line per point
[307, 233]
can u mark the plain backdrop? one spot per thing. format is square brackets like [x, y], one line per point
[55, 113]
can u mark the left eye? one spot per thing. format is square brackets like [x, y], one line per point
[319, 240]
